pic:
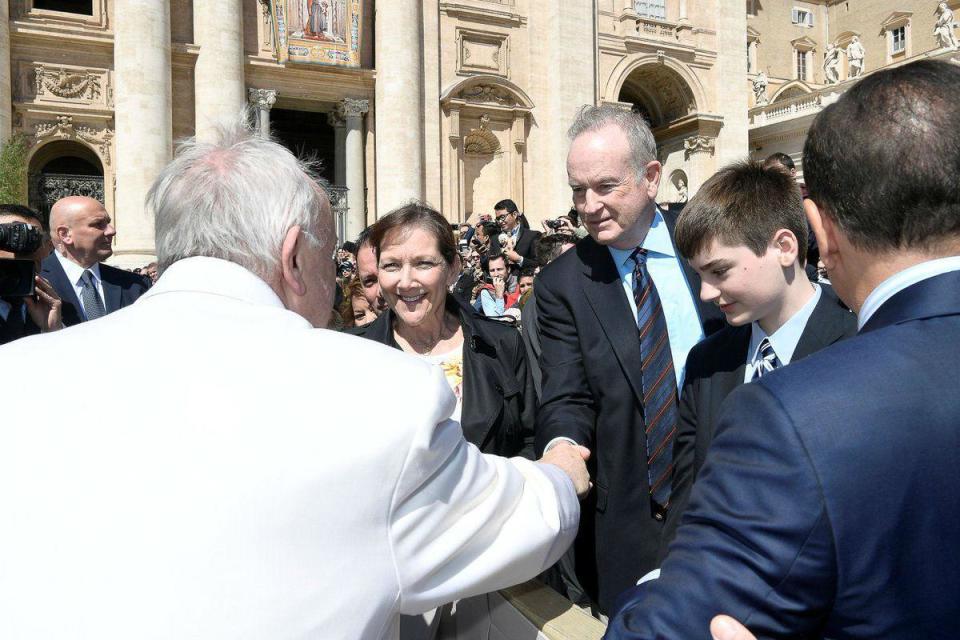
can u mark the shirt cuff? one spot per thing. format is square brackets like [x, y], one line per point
[556, 440]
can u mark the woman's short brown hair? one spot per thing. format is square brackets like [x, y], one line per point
[416, 215]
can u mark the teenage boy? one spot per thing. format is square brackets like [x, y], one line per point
[745, 233]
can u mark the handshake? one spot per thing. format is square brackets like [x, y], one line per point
[572, 460]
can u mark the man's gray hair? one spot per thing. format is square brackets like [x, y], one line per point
[643, 147]
[235, 199]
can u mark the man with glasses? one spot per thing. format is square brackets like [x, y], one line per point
[524, 240]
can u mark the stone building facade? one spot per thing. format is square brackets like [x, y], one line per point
[806, 50]
[456, 102]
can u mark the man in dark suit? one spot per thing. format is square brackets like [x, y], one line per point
[523, 253]
[617, 316]
[83, 237]
[827, 506]
[745, 233]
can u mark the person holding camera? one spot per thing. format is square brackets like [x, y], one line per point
[24, 235]
[508, 217]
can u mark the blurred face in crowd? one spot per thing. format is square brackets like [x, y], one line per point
[506, 220]
[45, 247]
[497, 267]
[83, 230]
[362, 312]
[745, 286]
[367, 272]
[414, 277]
[615, 205]
[526, 283]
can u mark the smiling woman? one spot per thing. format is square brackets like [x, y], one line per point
[483, 360]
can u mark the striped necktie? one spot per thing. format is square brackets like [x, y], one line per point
[659, 383]
[767, 361]
[92, 304]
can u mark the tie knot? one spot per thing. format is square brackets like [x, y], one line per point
[766, 350]
[639, 255]
[87, 277]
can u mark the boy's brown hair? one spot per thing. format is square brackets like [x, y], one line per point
[743, 204]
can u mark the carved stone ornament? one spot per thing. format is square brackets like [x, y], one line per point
[67, 84]
[63, 128]
[481, 141]
[352, 107]
[488, 93]
[698, 144]
[262, 98]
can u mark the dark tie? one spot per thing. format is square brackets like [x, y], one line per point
[92, 304]
[768, 360]
[659, 383]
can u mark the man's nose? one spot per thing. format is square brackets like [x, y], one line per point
[591, 202]
[111, 231]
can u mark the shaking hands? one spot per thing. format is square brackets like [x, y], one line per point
[572, 460]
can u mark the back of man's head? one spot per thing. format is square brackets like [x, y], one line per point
[883, 160]
[782, 160]
[550, 247]
[743, 204]
[235, 199]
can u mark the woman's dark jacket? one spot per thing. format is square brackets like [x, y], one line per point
[498, 411]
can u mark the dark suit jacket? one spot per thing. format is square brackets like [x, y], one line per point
[838, 518]
[715, 367]
[120, 288]
[527, 246]
[531, 340]
[592, 394]
[16, 326]
[498, 399]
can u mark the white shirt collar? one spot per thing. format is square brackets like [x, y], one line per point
[75, 272]
[216, 276]
[785, 339]
[900, 281]
[657, 241]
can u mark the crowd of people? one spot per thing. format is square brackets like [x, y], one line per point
[744, 407]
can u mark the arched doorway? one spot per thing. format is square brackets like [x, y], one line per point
[64, 168]
[671, 99]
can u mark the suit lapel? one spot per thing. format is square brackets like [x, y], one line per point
[731, 372]
[112, 293]
[604, 291]
[824, 327]
[53, 271]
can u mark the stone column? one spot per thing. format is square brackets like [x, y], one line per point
[219, 86]
[6, 93]
[399, 113]
[352, 111]
[142, 108]
[338, 121]
[262, 101]
[682, 14]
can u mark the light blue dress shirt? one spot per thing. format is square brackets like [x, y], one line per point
[679, 308]
[784, 340]
[900, 281]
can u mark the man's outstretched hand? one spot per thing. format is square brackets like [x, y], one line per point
[572, 460]
[726, 628]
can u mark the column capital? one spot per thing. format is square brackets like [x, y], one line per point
[352, 107]
[262, 98]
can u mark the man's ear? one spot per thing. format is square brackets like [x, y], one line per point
[652, 173]
[825, 229]
[62, 235]
[291, 268]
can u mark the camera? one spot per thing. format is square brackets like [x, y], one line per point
[19, 237]
[556, 224]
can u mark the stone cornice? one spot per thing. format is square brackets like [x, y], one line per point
[484, 14]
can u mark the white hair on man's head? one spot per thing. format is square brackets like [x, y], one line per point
[235, 199]
[643, 146]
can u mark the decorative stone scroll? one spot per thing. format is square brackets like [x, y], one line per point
[488, 93]
[352, 107]
[63, 128]
[262, 100]
[698, 144]
[65, 83]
